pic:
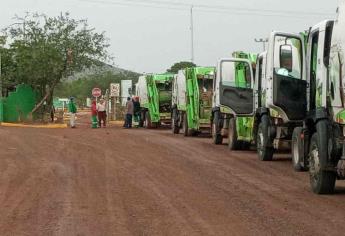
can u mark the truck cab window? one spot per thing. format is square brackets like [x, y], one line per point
[313, 71]
[327, 46]
[228, 76]
[288, 57]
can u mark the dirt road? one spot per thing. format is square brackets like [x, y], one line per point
[150, 182]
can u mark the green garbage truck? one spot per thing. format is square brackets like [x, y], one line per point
[154, 92]
[192, 100]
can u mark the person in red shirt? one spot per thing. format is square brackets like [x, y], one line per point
[94, 115]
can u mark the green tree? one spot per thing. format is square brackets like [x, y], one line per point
[81, 88]
[180, 65]
[44, 50]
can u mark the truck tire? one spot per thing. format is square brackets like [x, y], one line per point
[142, 118]
[297, 150]
[246, 145]
[148, 123]
[186, 130]
[233, 143]
[263, 142]
[216, 135]
[322, 181]
[174, 122]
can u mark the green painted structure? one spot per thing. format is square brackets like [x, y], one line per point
[244, 125]
[18, 105]
[159, 95]
[199, 108]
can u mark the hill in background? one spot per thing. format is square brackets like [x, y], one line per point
[81, 84]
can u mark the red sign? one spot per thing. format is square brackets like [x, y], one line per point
[96, 92]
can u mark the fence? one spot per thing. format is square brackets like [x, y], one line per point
[116, 110]
[18, 105]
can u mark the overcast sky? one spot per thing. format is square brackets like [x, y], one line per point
[145, 39]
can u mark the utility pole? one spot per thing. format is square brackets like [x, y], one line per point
[263, 41]
[192, 33]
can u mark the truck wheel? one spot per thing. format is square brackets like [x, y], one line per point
[264, 147]
[321, 181]
[233, 143]
[216, 136]
[246, 145]
[148, 123]
[142, 118]
[297, 150]
[186, 130]
[174, 122]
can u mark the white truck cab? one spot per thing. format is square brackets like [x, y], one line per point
[280, 92]
[319, 145]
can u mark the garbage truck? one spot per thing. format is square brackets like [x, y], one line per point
[192, 100]
[318, 145]
[154, 92]
[232, 97]
[280, 93]
[274, 103]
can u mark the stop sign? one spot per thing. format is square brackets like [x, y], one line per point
[96, 92]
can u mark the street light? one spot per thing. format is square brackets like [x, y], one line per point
[263, 41]
[192, 33]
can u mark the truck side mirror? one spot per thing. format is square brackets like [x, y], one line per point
[286, 57]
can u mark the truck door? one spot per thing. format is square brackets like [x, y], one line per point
[259, 82]
[287, 80]
[319, 44]
[236, 85]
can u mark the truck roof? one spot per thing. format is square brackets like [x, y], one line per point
[203, 70]
[245, 55]
[163, 77]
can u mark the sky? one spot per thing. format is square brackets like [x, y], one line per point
[150, 39]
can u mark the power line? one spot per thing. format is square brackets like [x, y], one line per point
[211, 8]
[222, 7]
[250, 14]
[131, 4]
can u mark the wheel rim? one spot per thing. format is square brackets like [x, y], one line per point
[185, 124]
[260, 141]
[231, 133]
[146, 121]
[315, 166]
[213, 130]
[295, 151]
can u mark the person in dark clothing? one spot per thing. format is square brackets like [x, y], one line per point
[129, 113]
[52, 113]
[137, 110]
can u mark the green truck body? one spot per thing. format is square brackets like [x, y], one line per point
[154, 92]
[244, 125]
[192, 99]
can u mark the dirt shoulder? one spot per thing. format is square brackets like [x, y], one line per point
[115, 181]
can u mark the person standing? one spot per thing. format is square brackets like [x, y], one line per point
[102, 114]
[52, 113]
[94, 114]
[137, 111]
[72, 110]
[129, 113]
